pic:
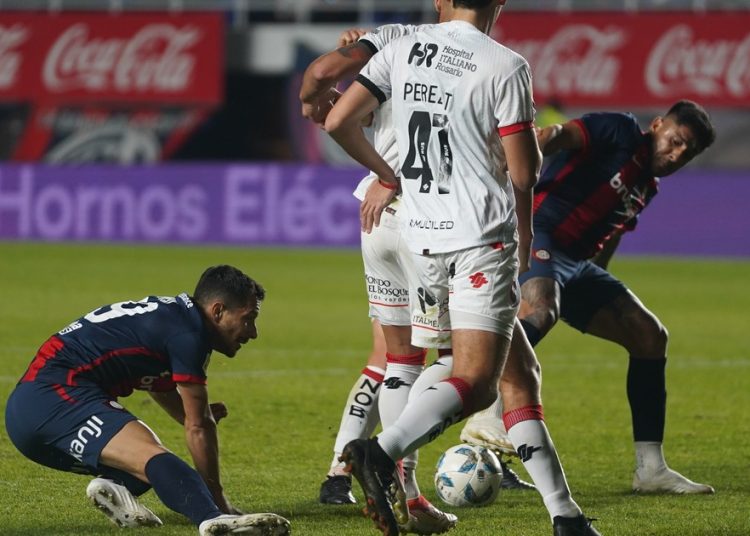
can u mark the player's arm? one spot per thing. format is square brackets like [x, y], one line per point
[171, 402]
[569, 136]
[344, 126]
[608, 250]
[524, 164]
[318, 93]
[202, 440]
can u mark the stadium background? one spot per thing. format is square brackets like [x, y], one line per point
[144, 140]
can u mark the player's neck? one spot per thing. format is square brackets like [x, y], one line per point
[483, 20]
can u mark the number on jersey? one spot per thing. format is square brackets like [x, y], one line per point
[420, 131]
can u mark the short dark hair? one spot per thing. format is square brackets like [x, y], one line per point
[228, 284]
[472, 4]
[694, 116]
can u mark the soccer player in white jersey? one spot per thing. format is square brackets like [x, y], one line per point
[461, 229]
[387, 285]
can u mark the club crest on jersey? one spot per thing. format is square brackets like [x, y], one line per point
[541, 255]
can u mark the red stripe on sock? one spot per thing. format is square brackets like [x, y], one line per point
[464, 392]
[378, 377]
[526, 413]
[419, 358]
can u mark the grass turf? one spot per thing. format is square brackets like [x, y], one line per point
[286, 390]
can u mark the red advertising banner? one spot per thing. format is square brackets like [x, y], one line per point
[128, 58]
[644, 59]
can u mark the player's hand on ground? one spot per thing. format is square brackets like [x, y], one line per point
[218, 410]
[318, 110]
[226, 507]
[350, 36]
[376, 199]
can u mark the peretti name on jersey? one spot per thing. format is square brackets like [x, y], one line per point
[431, 224]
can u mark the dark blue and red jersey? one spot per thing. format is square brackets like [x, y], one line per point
[584, 196]
[151, 345]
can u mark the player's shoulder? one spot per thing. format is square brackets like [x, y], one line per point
[382, 35]
[614, 118]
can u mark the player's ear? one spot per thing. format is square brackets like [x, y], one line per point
[217, 310]
[656, 122]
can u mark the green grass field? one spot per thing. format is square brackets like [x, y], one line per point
[285, 392]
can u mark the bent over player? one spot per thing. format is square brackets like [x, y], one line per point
[602, 174]
[64, 413]
[452, 89]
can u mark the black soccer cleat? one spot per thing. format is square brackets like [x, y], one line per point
[573, 526]
[337, 490]
[511, 480]
[381, 482]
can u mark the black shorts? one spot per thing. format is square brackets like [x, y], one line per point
[584, 287]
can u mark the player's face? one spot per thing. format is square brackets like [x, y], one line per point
[674, 145]
[235, 327]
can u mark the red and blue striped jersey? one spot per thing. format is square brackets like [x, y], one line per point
[151, 345]
[584, 196]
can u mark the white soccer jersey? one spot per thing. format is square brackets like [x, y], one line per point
[384, 137]
[452, 87]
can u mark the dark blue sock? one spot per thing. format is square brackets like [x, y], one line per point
[532, 333]
[647, 395]
[135, 486]
[181, 488]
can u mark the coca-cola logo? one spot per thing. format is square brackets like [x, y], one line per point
[10, 58]
[579, 59]
[155, 59]
[679, 63]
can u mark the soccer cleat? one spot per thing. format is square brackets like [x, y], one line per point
[487, 431]
[381, 482]
[424, 518]
[668, 481]
[337, 489]
[248, 525]
[511, 480]
[119, 505]
[573, 526]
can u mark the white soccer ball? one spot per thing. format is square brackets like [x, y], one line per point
[468, 475]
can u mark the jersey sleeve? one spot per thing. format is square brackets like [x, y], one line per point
[188, 357]
[608, 130]
[378, 38]
[514, 109]
[376, 75]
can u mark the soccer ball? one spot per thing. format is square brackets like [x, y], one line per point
[468, 475]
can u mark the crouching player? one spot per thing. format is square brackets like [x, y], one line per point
[64, 413]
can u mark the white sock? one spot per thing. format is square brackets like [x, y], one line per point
[410, 475]
[425, 418]
[439, 371]
[360, 415]
[400, 374]
[649, 457]
[537, 452]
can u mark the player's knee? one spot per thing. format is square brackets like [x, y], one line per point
[650, 338]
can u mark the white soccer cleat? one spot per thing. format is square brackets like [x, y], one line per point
[248, 524]
[487, 431]
[119, 505]
[425, 519]
[666, 480]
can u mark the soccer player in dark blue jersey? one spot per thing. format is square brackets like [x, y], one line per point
[64, 413]
[602, 173]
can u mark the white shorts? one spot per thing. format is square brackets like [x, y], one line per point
[387, 286]
[475, 288]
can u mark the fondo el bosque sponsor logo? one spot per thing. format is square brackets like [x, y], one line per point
[680, 61]
[157, 58]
